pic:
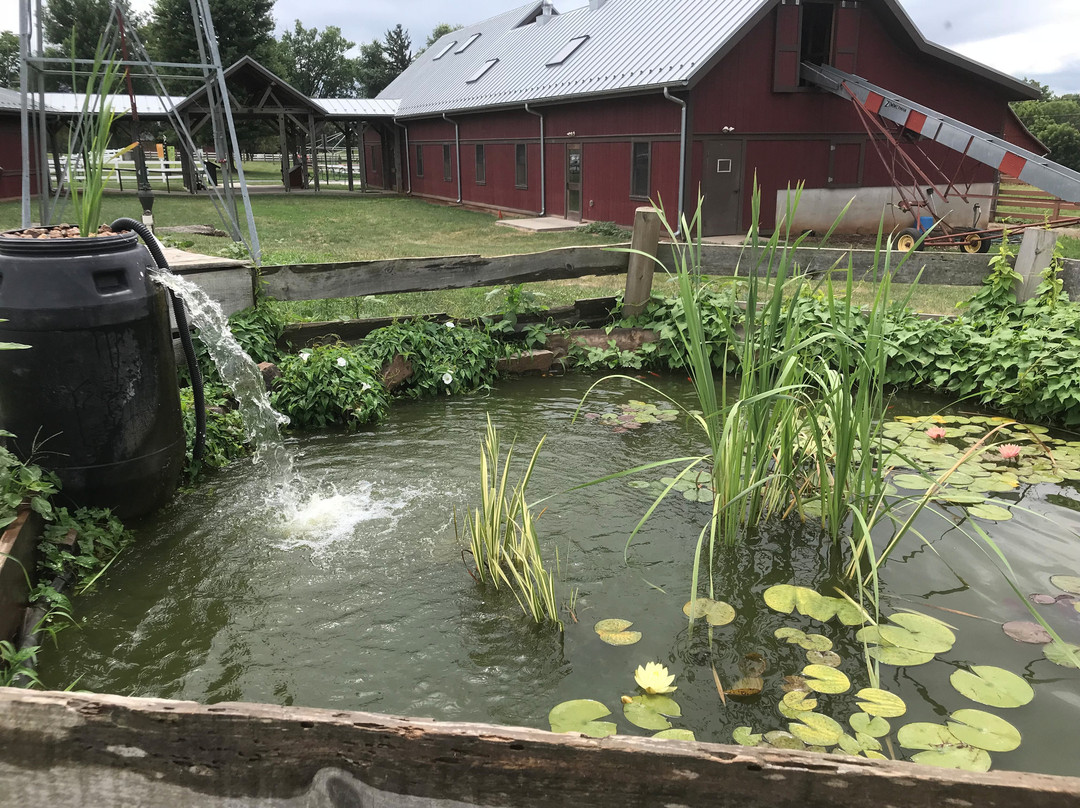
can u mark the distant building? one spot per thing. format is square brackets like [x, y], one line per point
[592, 113]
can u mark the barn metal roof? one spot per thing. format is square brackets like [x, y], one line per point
[632, 46]
[358, 107]
[150, 106]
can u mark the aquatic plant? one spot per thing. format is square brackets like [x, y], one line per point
[502, 534]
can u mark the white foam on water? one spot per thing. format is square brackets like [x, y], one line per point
[328, 518]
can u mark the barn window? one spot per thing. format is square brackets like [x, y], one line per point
[814, 31]
[481, 165]
[467, 42]
[446, 162]
[444, 51]
[521, 166]
[567, 50]
[639, 170]
[419, 161]
[484, 68]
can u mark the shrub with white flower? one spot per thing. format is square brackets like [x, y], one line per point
[330, 385]
[450, 324]
[305, 356]
[342, 362]
[447, 378]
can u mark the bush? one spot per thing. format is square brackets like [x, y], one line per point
[331, 385]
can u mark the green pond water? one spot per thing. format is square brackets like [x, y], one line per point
[356, 596]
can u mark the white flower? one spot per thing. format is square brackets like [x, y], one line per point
[365, 387]
[304, 356]
[342, 361]
[447, 377]
[449, 325]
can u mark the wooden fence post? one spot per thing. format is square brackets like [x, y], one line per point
[1036, 252]
[639, 271]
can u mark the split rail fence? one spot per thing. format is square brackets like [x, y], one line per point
[234, 287]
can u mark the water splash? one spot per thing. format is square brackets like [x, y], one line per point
[239, 372]
[328, 517]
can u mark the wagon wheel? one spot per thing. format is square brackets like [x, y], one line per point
[972, 243]
[908, 240]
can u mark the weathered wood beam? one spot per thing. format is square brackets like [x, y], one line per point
[68, 749]
[320, 281]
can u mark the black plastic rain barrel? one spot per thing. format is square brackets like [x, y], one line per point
[94, 398]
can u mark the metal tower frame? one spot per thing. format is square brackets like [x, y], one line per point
[34, 68]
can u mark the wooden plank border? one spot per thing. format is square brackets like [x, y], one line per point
[67, 749]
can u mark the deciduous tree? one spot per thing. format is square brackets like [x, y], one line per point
[243, 27]
[9, 60]
[316, 64]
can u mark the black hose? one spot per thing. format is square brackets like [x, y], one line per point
[182, 326]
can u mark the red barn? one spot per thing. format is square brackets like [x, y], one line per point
[11, 147]
[592, 113]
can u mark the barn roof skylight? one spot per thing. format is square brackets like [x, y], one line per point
[567, 50]
[484, 68]
[467, 42]
[444, 51]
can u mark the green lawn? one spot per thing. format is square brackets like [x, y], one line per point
[317, 228]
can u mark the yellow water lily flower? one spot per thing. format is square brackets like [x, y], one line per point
[652, 677]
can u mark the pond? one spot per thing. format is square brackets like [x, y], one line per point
[359, 597]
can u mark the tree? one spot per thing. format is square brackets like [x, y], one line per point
[76, 26]
[437, 33]
[1056, 122]
[380, 63]
[316, 64]
[243, 28]
[9, 60]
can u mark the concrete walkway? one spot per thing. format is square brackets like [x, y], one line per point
[542, 224]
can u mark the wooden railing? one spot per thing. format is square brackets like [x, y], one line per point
[1025, 203]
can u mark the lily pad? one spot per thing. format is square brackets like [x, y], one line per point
[643, 715]
[990, 511]
[859, 743]
[785, 598]
[829, 658]
[1057, 654]
[967, 758]
[872, 725]
[715, 612]
[815, 642]
[745, 736]
[794, 683]
[900, 657]
[913, 482]
[778, 739]
[823, 679]
[918, 632]
[816, 729]
[995, 687]
[753, 664]
[1067, 583]
[924, 735]
[611, 625]
[613, 632]
[1026, 631]
[746, 687]
[676, 735]
[876, 702]
[579, 715]
[799, 700]
[984, 730]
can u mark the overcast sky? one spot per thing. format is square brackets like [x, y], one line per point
[1037, 39]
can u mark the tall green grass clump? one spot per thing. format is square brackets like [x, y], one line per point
[88, 141]
[502, 534]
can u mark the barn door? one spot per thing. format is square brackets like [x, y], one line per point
[722, 186]
[846, 44]
[573, 182]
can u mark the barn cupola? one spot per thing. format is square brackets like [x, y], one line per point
[547, 11]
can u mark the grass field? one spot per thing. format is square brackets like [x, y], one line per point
[310, 228]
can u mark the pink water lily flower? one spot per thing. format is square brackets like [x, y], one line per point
[1009, 451]
[935, 432]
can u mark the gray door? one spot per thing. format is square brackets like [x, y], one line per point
[721, 182]
[573, 182]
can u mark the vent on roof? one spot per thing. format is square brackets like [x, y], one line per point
[444, 51]
[484, 68]
[467, 42]
[567, 50]
[539, 14]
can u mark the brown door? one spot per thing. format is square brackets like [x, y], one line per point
[722, 186]
[573, 182]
